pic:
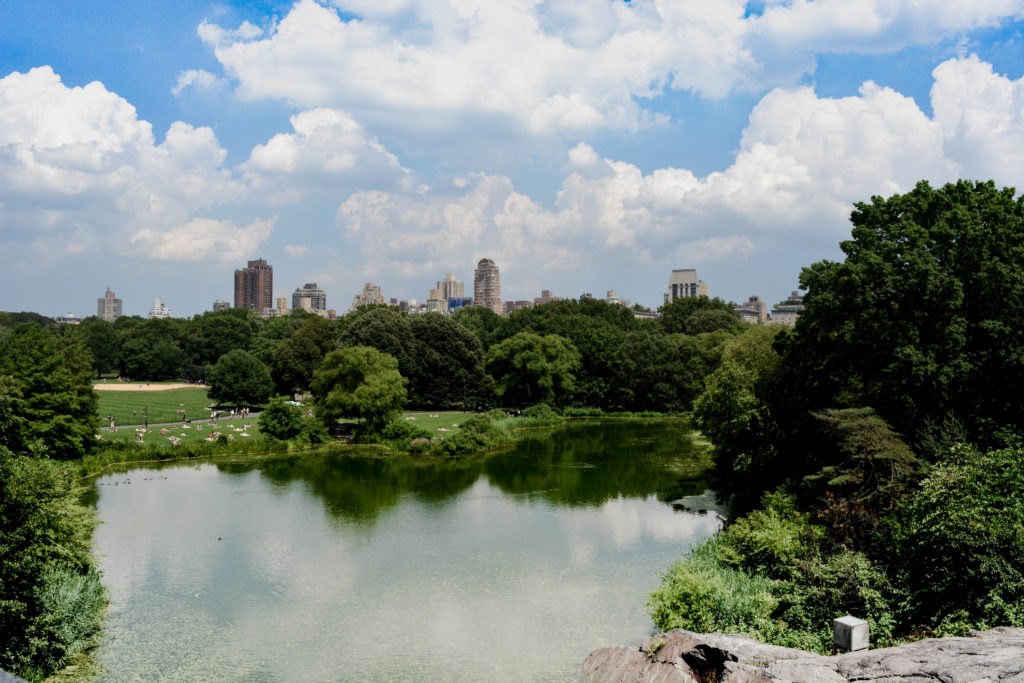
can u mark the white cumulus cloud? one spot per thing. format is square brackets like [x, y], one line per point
[535, 68]
[198, 79]
[802, 162]
[203, 239]
[78, 168]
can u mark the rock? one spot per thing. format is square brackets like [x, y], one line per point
[982, 656]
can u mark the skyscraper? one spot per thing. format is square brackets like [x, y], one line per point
[254, 286]
[487, 285]
[108, 308]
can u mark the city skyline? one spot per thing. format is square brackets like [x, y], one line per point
[582, 145]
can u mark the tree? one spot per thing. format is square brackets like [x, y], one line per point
[58, 405]
[213, 334]
[528, 368]
[281, 419]
[483, 322]
[924, 316]
[674, 316]
[658, 371]
[103, 343]
[239, 379]
[449, 369]
[711, 320]
[297, 357]
[358, 382]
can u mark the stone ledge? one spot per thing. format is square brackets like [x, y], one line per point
[686, 657]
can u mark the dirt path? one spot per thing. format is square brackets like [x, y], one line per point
[127, 386]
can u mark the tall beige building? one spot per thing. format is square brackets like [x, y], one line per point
[108, 308]
[684, 284]
[372, 294]
[487, 285]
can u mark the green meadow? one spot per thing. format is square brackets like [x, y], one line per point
[184, 434]
[162, 405]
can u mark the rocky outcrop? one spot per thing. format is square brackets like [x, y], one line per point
[685, 657]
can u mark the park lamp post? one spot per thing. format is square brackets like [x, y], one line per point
[145, 416]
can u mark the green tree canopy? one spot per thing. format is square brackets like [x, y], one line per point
[925, 316]
[239, 379]
[358, 382]
[280, 419]
[297, 357]
[449, 368]
[529, 368]
[674, 316]
[57, 400]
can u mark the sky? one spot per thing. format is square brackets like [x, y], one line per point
[584, 145]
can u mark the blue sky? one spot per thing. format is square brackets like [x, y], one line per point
[583, 145]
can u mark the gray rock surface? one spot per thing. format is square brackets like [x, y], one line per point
[981, 657]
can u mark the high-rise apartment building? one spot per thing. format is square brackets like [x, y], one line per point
[451, 288]
[372, 294]
[309, 298]
[684, 284]
[487, 285]
[108, 308]
[254, 286]
[159, 310]
[220, 305]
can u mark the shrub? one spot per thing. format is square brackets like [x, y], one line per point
[71, 614]
[541, 410]
[770, 541]
[698, 593]
[281, 419]
[959, 542]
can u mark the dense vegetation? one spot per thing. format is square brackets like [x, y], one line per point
[877, 436]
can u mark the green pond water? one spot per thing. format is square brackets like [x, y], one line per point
[324, 567]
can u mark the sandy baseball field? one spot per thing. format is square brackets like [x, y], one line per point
[128, 386]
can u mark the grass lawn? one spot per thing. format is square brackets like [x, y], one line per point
[192, 434]
[162, 405]
[445, 420]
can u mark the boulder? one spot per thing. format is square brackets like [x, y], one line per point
[995, 655]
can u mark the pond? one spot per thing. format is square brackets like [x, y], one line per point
[321, 567]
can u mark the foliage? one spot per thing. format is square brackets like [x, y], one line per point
[711, 320]
[484, 323]
[529, 368]
[280, 419]
[769, 576]
[658, 371]
[51, 387]
[699, 593]
[675, 315]
[239, 379]
[46, 611]
[733, 413]
[959, 542]
[448, 365]
[359, 382]
[103, 343]
[922, 319]
[541, 410]
[297, 358]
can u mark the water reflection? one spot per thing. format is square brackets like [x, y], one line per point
[314, 567]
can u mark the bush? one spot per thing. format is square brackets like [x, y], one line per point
[699, 594]
[959, 542]
[313, 431]
[541, 410]
[771, 541]
[281, 419]
[71, 614]
[579, 411]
